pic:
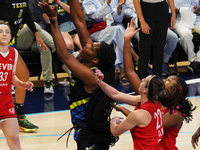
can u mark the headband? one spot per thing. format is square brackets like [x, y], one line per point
[150, 81]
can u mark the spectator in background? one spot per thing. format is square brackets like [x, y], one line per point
[171, 42]
[130, 12]
[110, 11]
[26, 41]
[153, 18]
[171, 38]
[14, 12]
[186, 21]
[66, 24]
[37, 13]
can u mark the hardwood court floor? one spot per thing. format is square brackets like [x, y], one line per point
[54, 124]
[51, 114]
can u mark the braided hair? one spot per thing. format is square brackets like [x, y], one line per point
[176, 99]
[100, 105]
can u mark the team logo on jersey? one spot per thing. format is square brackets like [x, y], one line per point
[72, 81]
[19, 5]
[10, 59]
[12, 111]
[18, 21]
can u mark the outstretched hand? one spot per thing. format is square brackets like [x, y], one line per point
[130, 30]
[51, 12]
[99, 76]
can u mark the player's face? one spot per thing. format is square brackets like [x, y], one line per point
[169, 82]
[89, 51]
[5, 34]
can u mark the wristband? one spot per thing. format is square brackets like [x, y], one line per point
[53, 18]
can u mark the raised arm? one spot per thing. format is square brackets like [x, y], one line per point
[81, 71]
[80, 23]
[113, 93]
[132, 77]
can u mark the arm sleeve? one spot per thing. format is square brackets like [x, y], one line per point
[129, 12]
[28, 19]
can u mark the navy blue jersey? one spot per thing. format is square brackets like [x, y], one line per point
[78, 101]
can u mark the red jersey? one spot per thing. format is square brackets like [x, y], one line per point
[6, 70]
[168, 141]
[147, 138]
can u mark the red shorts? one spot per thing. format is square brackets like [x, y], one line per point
[7, 107]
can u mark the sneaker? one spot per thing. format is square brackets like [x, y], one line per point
[65, 82]
[48, 97]
[165, 70]
[48, 87]
[25, 125]
[193, 66]
[124, 82]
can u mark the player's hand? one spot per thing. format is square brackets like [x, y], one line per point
[28, 85]
[99, 76]
[195, 138]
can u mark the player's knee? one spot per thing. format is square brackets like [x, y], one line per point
[14, 139]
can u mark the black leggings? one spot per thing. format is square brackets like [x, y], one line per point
[157, 17]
